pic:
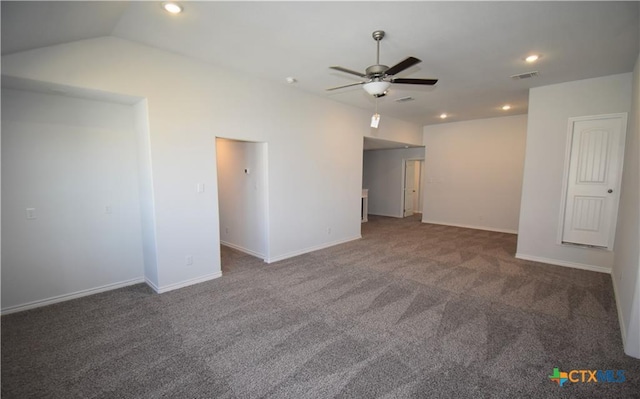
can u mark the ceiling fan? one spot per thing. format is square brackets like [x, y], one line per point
[379, 77]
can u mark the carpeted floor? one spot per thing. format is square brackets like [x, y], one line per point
[412, 310]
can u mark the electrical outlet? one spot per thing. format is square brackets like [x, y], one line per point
[31, 213]
[226, 230]
[329, 230]
[189, 260]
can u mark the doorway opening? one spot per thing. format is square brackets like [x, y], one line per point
[384, 171]
[412, 189]
[242, 197]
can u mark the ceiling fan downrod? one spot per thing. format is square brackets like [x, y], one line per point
[376, 72]
[377, 36]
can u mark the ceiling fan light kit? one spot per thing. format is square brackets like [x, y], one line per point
[376, 88]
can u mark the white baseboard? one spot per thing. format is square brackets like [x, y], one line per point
[468, 226]
[565, 263]
[151, 284]
[241, 249]
[70, 296]
[623, 327]
[310, 249]
[182, 284]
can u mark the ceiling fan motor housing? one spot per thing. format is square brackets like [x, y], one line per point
[375, 71]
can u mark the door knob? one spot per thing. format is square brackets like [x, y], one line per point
[609, 191]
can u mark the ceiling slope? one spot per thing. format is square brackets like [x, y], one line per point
[471, 47]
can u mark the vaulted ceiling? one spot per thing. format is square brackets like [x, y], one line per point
[473, 48]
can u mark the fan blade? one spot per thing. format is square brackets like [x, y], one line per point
[342, 87]
[341, 69]
[428, 82]
[402, 65]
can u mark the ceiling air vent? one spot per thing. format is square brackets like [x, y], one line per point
[525, 75]
[404, 99]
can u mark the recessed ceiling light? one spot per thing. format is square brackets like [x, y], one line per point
[172, 8]
[443, 116]
[506, 107]
[291, 80]
[532, 58]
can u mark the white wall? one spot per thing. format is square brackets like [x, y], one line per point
[145, 179]
[474, 173]
[383, 175]
[626, 265]
[315, 147]
[68, 158]
[550, 107]
[242, 197]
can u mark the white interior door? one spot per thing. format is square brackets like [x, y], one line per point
[409, 187]
[593, 183]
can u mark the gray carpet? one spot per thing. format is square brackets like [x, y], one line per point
[410, 311]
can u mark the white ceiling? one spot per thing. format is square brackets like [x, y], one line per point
[472, 47]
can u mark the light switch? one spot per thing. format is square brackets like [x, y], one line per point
[31, 213]
[200, 188]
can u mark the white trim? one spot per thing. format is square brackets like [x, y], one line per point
[467, 226]
[241, 249]
[182, 284]
[70, 296]
[310, 249]
[267, 223]
[151, 284]
[565, 263]
[623, 327]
